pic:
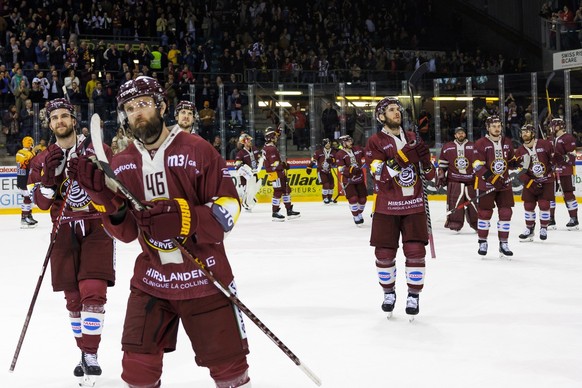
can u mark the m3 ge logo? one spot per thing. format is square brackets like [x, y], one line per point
[180, 161]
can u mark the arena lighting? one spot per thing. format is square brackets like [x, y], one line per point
[575, 96]
[491, 99]
[452, 98]
[288, 92]
[265, 104]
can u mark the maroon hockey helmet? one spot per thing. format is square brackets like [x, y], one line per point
[492, 119]
[184, 104]
[325, 141]
[344, 139]
[139, 87]
[271, 134]
[383, 104]
[60, 103]
[556, 125]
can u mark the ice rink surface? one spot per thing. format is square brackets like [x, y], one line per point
[484, 322]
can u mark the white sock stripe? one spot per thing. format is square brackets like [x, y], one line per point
[354, 207]
[483, 224]
[530, 216]
[545, 215]
[503, 226]
[276, 201]
[552, 204]
[286, 199]
[572, 205]
[91, 323]
[362, 206]
[415, 275]
[386, 276]
[76, 326]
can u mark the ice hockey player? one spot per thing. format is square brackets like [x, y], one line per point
[277, 175]
[248, 162]
[456, 173]
[538, 181]
[494, 154]
[82, 258]
[396, 159]
[190, 197]
[564, 161]
[324, 160]
[350, 163]
[187, 116]
[23, 158]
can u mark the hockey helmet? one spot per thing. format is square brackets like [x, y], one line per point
[325, 141]
[460, 129]
[245, 137]
[383, 104]
[492, 119]
[60, 103]
[344, 139]
[139, 87]
[557, 124]
[185, 105]
[271, 134]
[527, 127]
[27, 142]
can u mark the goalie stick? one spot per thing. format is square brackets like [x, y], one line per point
[549, 107]
[97, 136]
[412, 82]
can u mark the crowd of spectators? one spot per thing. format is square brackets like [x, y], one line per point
[86, 49]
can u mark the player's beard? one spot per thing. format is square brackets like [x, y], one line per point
[392, 124]
[66, 133]
[148, 131]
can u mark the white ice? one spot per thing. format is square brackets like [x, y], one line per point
[484, 322]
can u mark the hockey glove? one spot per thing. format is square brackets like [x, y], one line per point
[166, 219]
[412, 153]
[92, 180]
[55, 156]
[441, 179]
[488, 176]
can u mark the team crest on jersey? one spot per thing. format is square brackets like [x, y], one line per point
[77, 198]
[538, 169]
[407, 177]
[461, 163]
[499, 166]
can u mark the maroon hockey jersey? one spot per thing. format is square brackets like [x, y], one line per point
[537, 160]
[495, 156]
[457, 159]
[565, 146]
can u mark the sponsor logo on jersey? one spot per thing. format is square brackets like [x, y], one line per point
[91, 323]
[163, 246]
[124, 167]
[415, 276]
[180, 160]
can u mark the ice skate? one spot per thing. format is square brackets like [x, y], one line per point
[278, 217]
[359, 220]
[504, 250]
[291, 214]
[90, 368]
[572, 224]
[552, 224]
[79, 374]
[388, 304]
[27, 223]
[543, 234]
[412, 307]
[482, 247]
[326, 201]
[527, 235]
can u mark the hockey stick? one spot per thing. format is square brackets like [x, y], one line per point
[548, 99]
[55, 232]
[412, 82]
[339, 192]
[97, 135]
